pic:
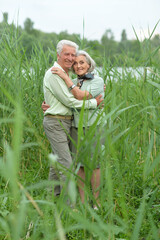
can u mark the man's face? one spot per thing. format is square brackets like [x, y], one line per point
[66, 57]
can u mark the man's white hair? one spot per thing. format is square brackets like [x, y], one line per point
[62, 43]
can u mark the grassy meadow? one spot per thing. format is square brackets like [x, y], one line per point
[130, 161]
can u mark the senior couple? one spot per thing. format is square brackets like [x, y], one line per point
[64, 99]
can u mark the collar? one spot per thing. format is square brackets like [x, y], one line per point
[57, 65]
[87, 76]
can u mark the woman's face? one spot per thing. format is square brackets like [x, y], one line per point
[80, 65]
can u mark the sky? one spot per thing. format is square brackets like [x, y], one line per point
[86, 17]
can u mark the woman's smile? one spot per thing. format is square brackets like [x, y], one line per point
[80, 65]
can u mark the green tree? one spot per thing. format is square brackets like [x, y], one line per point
[28, 25]
[156, 41]
[95, 49]
[108, 35]
[123, 45]
[28, 42]
[5, 17]
[109, 44]
[134, 50]
[123, 36]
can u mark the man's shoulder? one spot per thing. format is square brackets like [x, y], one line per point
[51, 80]
[48, 72]
[49, 75]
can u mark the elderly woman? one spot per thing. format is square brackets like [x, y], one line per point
[87, 85]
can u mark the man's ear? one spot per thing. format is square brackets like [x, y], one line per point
[58, 56]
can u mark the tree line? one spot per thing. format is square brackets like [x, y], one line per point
[124, 52]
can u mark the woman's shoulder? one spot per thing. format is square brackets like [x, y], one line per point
[98, 78]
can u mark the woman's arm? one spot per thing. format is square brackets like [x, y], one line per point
[79, 94]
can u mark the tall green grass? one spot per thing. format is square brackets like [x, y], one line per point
[130, 159]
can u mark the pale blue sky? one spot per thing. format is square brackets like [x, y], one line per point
[60, 15]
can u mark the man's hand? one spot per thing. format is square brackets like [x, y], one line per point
[99, 99]
[44, 106]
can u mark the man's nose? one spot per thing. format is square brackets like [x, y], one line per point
[70, 57]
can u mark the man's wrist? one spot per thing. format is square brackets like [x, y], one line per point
[71, 87]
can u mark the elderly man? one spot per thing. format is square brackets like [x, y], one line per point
[58, 117]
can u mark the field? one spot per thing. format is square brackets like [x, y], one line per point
[130, 161]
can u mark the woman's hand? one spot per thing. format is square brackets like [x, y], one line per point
[100, 100]
[59, 72]
[44, 106]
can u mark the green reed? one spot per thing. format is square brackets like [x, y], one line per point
[129, 160]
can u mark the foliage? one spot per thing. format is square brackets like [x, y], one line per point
[107, 47]
[28, 25]
[129, 161]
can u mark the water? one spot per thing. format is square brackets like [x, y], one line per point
[119, 73]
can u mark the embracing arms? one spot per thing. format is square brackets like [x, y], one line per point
[79, 94]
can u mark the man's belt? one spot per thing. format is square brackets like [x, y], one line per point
[60, 117]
